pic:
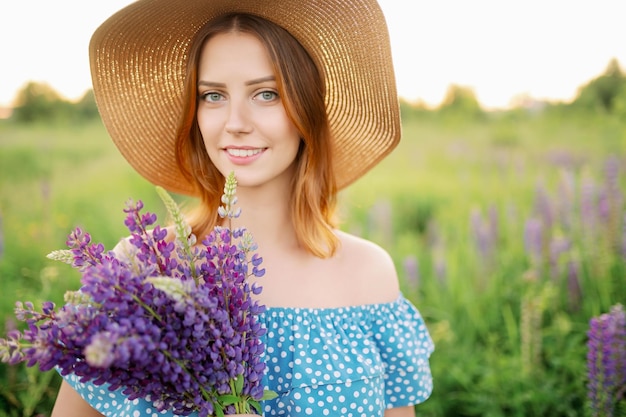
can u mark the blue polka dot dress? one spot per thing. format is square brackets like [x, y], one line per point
[351, 361]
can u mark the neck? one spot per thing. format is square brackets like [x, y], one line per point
[267, 215]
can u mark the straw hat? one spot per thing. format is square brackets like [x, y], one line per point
[138, 58]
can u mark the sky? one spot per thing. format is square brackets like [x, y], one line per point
[502, 49]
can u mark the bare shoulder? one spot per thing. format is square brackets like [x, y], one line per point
[372, 268]
[70, 404]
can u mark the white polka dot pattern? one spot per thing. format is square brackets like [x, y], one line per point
[351, 362]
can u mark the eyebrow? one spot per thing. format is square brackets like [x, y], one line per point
[251, 82]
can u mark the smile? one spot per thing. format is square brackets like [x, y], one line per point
[243, 153]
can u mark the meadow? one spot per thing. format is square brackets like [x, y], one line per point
[508, 232]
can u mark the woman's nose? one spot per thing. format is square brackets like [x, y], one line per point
[238, 117]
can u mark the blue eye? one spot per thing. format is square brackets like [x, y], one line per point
[267, 95]
[211, 97]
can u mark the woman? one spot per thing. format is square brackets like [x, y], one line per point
[298, 99]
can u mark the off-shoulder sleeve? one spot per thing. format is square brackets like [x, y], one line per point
[405, 347]
[356, 361]
[113, 403]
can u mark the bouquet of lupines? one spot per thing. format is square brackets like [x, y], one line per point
[168, 320]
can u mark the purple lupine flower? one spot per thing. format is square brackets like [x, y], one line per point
[604, 206]
[482, 234]
[534, 240]
[588, 203]
[574, 290]
[99, 352]
[380, 220]
[188, 309]
[595, 371]
[559, 245]
[606, 361]
[441, 267]
[565, 202]
[411, 271]
[611, 176]
[543, 207]
[611, 201]
[494, 224]
[620, 348]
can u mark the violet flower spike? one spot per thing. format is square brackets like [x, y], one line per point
[606, 362]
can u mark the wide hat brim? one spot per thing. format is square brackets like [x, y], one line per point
[138, 61]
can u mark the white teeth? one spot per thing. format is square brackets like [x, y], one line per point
[241, 153]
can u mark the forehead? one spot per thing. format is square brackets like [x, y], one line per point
[234, 53]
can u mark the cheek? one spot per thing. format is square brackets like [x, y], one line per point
[287, 130]
[291, 149]
[209, 139]
[201, 121]
[208, 130]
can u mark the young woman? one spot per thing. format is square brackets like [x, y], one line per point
[298, 99]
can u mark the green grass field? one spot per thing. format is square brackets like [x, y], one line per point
[508, 233]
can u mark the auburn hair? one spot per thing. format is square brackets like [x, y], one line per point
[301, 87]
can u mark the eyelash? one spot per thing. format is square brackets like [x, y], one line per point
[219, 96]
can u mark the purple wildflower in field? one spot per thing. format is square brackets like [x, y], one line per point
[565, 202]
[534, 240]
[574, 290]
[494, 224]
[559, 246]
[588, 204]
[611, 177]
[543, 207]
[612, 201]
[485, 232]
[380, 220]
[175, 323]
[411, 271]
[606, 362]
[605, 205]
[441, 266]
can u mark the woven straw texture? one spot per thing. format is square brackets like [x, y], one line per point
[138, 59]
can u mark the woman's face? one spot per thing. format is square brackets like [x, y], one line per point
[241, 117]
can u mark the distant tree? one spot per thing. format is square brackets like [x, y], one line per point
[462, 101]
[411, 111]
[39, 102]
[601, 93]
[86, 107]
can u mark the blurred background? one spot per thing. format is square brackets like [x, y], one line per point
[503, 206]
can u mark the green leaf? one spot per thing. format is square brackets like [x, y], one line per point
[256, 405]
[228, 399]
[269, 395]
[219, 411]
[239, 384]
